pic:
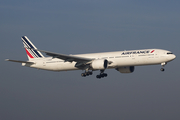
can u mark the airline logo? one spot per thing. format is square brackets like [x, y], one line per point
[152, 51]
[30, 52]
[137, 52]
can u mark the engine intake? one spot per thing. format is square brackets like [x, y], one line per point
[128, 69]
[99, 64]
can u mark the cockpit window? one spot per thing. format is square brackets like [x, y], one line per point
[169, 53]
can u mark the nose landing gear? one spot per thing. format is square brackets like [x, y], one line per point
[163, 64]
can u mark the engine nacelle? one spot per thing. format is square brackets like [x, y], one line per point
[128, 69]
[99, 64]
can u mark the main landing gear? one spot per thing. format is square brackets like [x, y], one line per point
[86, 73]
[163, 64]
[101, 75]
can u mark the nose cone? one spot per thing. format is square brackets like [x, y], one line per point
[173, 57]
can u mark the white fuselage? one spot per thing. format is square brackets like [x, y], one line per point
[117, 59]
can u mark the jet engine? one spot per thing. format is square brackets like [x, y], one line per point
[99, 64]
[128, 69]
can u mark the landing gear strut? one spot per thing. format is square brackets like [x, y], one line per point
[101, 75]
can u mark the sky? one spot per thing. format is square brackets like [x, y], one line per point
[88, 26]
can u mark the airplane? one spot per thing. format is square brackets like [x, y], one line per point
[122, 61]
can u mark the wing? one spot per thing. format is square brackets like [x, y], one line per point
[69, 58]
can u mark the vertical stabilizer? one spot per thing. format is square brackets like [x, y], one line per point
[31, 53]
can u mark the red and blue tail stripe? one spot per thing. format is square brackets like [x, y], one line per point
[31, 53]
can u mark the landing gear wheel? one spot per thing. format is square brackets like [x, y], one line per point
[102, 75]
[87, 74]
[162, 69]
[105, 75]
[83, 74]
[98, 76]
[90, 73]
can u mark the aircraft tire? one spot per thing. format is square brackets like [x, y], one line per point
[83, 74]
[98, 76]
[162, 69]
[90, 73]
[105, 75]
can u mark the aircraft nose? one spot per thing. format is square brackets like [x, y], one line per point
[171, 57]
[174, 56]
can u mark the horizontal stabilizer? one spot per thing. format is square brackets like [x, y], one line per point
[19, 61]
